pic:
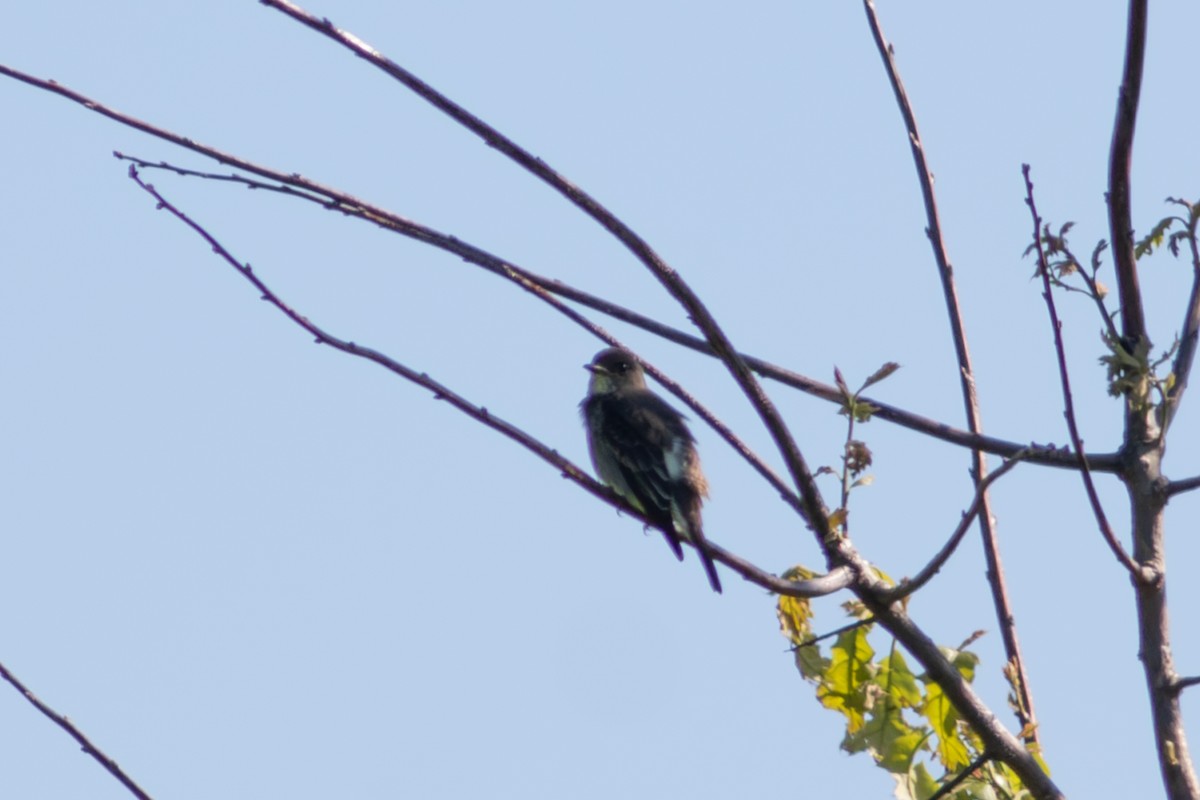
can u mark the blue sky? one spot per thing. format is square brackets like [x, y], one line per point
[249, 566]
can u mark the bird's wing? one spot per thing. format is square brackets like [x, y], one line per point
[638, 443]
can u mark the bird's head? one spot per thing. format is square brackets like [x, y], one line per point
[614, 370]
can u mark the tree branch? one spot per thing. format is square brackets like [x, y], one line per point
[909, 585]
[815, 512]
[858, 623]
[1120, 215]
[991, 547]
[1068, 403]
[1184, 683]
[102, 758]
[1183, 485]
[295, 185]
[301, 188]
[949, 786]
[1190, 333]
[996, 739]
[821, 585]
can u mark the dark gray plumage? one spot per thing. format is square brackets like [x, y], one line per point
[642, 448]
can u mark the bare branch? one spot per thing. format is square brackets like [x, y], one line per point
[302, 188]
[1184, 683]
[991, 547]
[827, 584]
[1184, 485]
[909, 585]
[102, 758]
[1190, 334]
[815, 512]
[1068, 403]
[296, 185]
[1120, 214]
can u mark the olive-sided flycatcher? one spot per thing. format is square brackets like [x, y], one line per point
[642, 448]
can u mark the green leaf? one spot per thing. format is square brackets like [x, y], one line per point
[891, 741]
[898, 681]
[811, 663]
[918, 784]
[944, 720]
[844, 686]
[1154, 239]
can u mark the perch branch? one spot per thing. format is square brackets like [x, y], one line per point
[821, 585]
[815, 512]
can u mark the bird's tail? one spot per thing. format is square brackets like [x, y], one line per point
[689, 507]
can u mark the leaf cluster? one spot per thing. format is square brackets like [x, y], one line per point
[902, 719]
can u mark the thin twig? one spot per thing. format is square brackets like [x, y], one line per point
[909, 585]
[1189, 336]
[949, 786]
[991, 547]
[819, 586]
[85, 743]
[858, 623]
[1068, 403]
[815, 511]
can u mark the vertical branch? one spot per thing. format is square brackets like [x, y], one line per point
[991, 548]
[1120, 215]
[1144, 444]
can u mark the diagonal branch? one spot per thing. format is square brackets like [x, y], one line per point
[301, 188]
[909, 585]
[949, 786]
[85, 743]
[822, 585]
[1068, 403]
[991, 547]
[295, 185]
[996, 739]
[815, 511]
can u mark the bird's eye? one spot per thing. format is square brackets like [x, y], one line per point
[623, 366]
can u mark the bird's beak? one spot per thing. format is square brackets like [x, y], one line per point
[592, 368]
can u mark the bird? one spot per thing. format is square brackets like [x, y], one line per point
[642, 448]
